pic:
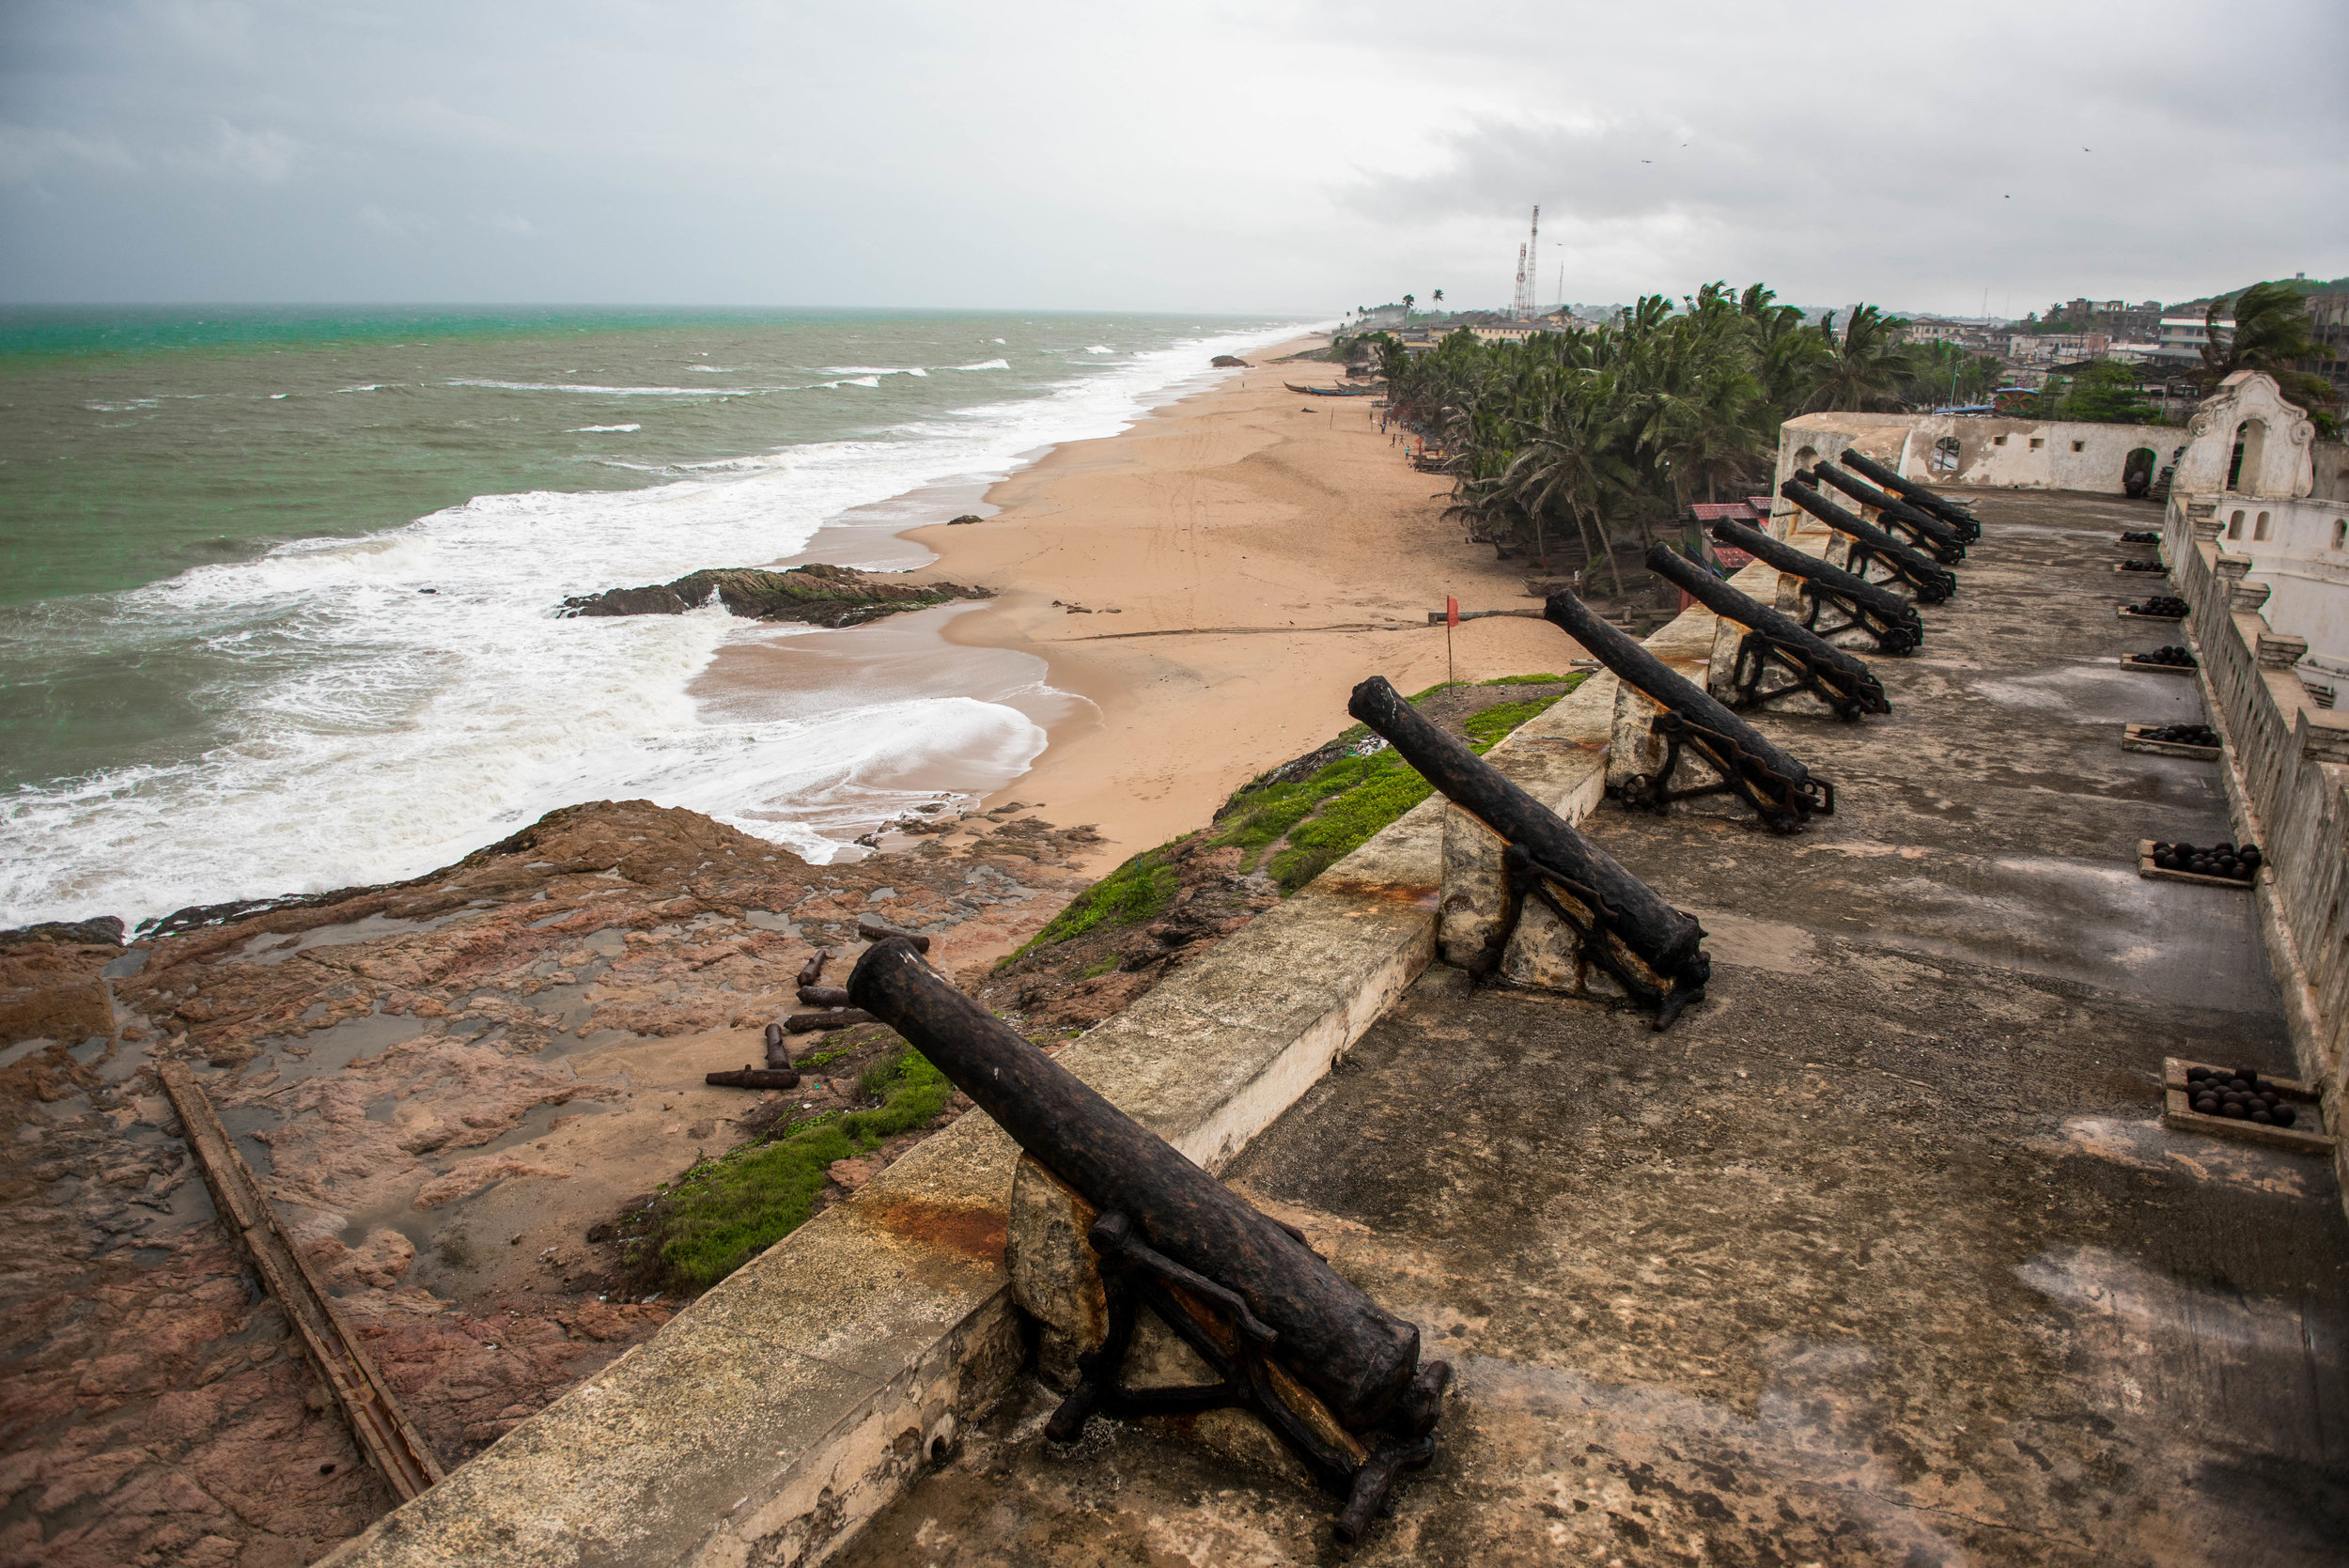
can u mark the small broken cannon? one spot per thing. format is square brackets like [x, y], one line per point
[1926, 531]
[1888, 619]
[1873, 545]
[1693, 727]
[1960, 518]
[1649, 948]
[1334, 1376]
[1777, 659]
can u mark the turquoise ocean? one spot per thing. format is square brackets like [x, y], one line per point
[221, 678]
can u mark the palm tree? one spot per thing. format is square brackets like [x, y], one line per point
[1408, 301]
[2270, 333]
[1865, 366]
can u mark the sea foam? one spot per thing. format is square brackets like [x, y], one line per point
[383, 732]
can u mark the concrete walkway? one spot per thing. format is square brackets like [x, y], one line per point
[1879, 1255]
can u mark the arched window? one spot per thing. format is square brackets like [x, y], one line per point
[1806, 455]
[2250, 446]
[2259, 528]
[2234, 526]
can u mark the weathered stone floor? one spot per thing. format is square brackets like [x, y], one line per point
[1881, 1255]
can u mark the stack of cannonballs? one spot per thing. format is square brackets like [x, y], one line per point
[2142, 565]
[2140, 536]
[2173, 656]
[2219, 860]
[2238, 1096]
[2165, 605]
[2181, 735]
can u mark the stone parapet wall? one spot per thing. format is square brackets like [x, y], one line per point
[2287, 775]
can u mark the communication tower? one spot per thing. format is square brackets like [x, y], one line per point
[1529, 266]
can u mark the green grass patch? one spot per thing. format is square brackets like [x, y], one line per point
[724, 1211]
[1328, 816]
[1139, 890]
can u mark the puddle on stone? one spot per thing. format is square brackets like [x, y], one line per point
[272, 947]
[2100, 694]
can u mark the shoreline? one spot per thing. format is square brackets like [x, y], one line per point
[1211, 526]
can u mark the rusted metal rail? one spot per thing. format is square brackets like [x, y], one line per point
[1333, 1374]
[387, 1437]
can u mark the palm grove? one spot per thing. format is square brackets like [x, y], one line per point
[1588, 436]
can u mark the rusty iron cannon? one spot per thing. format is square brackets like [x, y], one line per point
[1691, 727]
[1779, 659]
[1960, 518]
[1928, 533]
[1620, 924]
[1838, 600]
[1872, 546]
[1334, 1376]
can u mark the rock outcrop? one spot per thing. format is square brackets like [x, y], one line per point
[444, 1085]
[1228, 361]
[817, 595]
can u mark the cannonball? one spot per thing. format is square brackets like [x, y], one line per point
[2259, 1114]
[2234, 1108]
[2285, 1115]
[2207, 1105]
[2196, 1075]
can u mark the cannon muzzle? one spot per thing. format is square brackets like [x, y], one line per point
[1927, 532]
[1651, 949]
[1815, 664]
[1968, 526]
[1888, 619]
[1360, 1360]
[1870, 543]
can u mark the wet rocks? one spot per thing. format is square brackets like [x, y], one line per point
[1228, 361]
[817, 595]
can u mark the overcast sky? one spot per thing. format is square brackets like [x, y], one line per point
[1258, 156]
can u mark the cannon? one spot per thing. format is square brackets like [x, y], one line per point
[1651, 949]
[1335, 1376]
[1928, 533]
[1871, 545]
[1968, 526]
[1889, 621]
[1781, 790]
[1774, 644]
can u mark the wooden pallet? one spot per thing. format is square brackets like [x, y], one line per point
[2145, 867]
[2128, 614]
[2178, 1112]
[2133, 739]
[2128, 664]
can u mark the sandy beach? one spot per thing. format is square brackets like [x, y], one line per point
[1231, 547]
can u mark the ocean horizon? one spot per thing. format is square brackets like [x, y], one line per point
[221, 678]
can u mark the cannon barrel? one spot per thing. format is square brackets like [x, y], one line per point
[1928, 531]
[1663, 938]
[1968, 526]
[1933, 584]
[1723, 600]
[1638, 667]
[1358, 1358]
[1904, 627]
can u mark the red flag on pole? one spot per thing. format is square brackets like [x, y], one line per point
[1451, 611]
